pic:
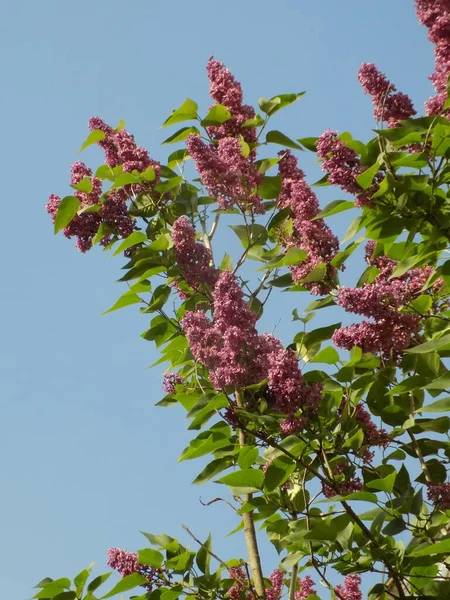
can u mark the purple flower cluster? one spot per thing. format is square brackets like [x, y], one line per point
[435, 15]
[389, 105]
[225, 90]
[353, 484]
[192, 256]
[390, 331]
[351, 588]
[236, 355]
[171, 380]
[373, 436]
[227, 173]
[241, 584]
[112, 212]
[121, 149]
[305, 588]
[230, 346]
[439, 494]
[277, 581]
[315, 237]
[127, 563]
[343, 167]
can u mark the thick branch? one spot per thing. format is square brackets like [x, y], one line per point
[249, 530]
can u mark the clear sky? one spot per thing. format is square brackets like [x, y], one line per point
[86, 459]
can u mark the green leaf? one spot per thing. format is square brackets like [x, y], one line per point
[180, 135]
[168, 185]
[206, 443]
[440, 547]
[213, 468]
[276, 103]
[67, 210]
[320, 334]
[430, 346]
[355, 441]
[384, 485]
[253, 234]
[328, 355]
[186, 112]
[361, 496]
[441, 139]
[203, 558]
[366, 177]
[95, 136]
[98, 581]
[137, 237]
[52, 588]
[309, 143]
[247, 478]
[85, 185]
[333, 208]
[127, 583]
[353, 229]
[80, 580]
[442, 405]
[150, 557]
[270, 187]
[247, 456]
[276, 137]
[278, 471]
[159, 298]
[217, 115]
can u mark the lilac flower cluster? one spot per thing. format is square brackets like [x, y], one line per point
[225, 90]
[305, 588]
[236, 355]
[192, 256]
[373, 436]
[353, 484]
[315, 237]
[127, 563]
[435, 15]
[241, 584]
[389, 105]
[112, 212]
[171, 380]
[390, 331]
[277, 581]
[439, 494]
[351, 588]
[227, 173]
[121, 149]
[343, 167]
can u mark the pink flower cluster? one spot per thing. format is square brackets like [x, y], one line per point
[112, 212]
[121, 149]
[315, 237]
[170, 381]
[277, 581]
[343, 167]
[227, 173]
[439, 494]
[192, 256]
[389, 105]
[351, 588]
[305, 588]
[241, 584]
[373, 436]
[225, 90]
[353, 484]
[236, 355]
[126, 563]
[390, 331]
[435, 15]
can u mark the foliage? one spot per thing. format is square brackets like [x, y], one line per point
[290, 430]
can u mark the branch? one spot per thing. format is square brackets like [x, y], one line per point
[249, 529]
[219, 560]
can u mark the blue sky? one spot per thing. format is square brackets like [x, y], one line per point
[87, 461]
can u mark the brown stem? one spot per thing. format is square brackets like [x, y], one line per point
[219, 560]
[249, 529]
